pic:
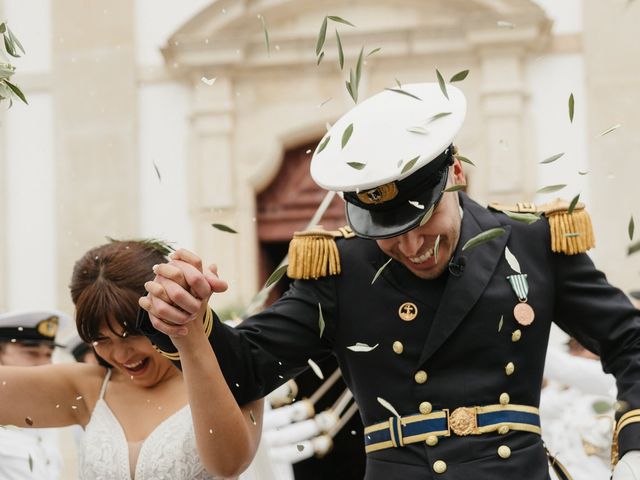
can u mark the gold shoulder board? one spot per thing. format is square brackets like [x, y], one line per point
[313, 253]
[570, 233]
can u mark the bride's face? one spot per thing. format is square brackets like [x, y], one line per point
[134, 356]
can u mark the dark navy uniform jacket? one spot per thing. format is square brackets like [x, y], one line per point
[457, 339]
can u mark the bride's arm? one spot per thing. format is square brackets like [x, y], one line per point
[45, 396]
[227, 436]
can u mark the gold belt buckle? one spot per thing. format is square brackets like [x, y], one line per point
[464, 421]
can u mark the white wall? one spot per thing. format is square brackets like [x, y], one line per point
[566, 14]
[163, 139]
[551, 79]
[30, 213]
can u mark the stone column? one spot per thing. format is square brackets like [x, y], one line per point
[214, 197]
[95, 107]
[507, 175]
[613, 96]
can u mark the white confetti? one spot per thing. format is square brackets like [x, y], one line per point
[512, 260]
[505, 24]
[308, 152]
[416, 204]
[388, 406]
[79, 397]
[316, 369]
[362, 347]
[208, 81]
[211, 431]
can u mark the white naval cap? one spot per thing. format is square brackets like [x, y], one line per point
[389, 150]
[32, 325]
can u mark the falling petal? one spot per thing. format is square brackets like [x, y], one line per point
[500, 323]
[409, 165]
[416, 204]
[551, 188]
[609, 130]
[571, 107]
[552, 158]
[316, 369]
[443, 86]
[208, 81]
[403, 92]
[340, 20]
[458, 77]
[512, 260]
[427, 215]
[483, 237]
[346, 135]
[455, 188]
[388, 406]
[223, 228]
[375, 277]
[527, 218]
[275, 276]
[573, 204]
[362, 347]
[631, 228]
[436, 247]
[320, 320]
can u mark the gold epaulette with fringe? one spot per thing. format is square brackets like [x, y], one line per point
[314, 253]
[570, 233]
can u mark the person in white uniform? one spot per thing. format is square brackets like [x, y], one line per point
[27, 339]
[143, 418]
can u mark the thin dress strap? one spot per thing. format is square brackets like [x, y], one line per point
[104, 384]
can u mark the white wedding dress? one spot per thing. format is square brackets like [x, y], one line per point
[168, 453]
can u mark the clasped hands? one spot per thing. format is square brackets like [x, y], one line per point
[180, 292]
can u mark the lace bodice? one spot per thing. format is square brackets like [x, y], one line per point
[168, 453]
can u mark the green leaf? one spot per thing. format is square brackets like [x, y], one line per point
[437, 116]
[552, 158]
[465, 160]
[17, 91]
[500, 323]
[631, 228]
[340, 20]
[551, 188]
[436, 247]
[30, 463]
[633, 248]
[427, 216]
[398, 83]
[455, 188]
[375, 50]
[443, 86]
[601, 407]
[375, 277]
[583, 173]
[266, 35]
[323, 144]
[320, 57]
[346, 135]
[527, 218]
[340, 51]
[320, 319]
[403, 92]
[571, 107]
[157, 171]
[223, 228]
[357, 165]
[352, 86]
[321, 36]
[359, 67]
[571, 234]
[572, 205]
[15, 40]
[483, 237]
[458, 77]
[409, 165]
[275, 276]
[610, 129]
[420, 130]
[3, 27]
[8, 45]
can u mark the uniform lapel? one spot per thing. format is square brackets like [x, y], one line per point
[464, 290]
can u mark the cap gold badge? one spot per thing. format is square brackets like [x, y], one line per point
[48, 327]
[380, 194]
[408, 311]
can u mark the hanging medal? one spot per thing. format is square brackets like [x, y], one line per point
[523, 312]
